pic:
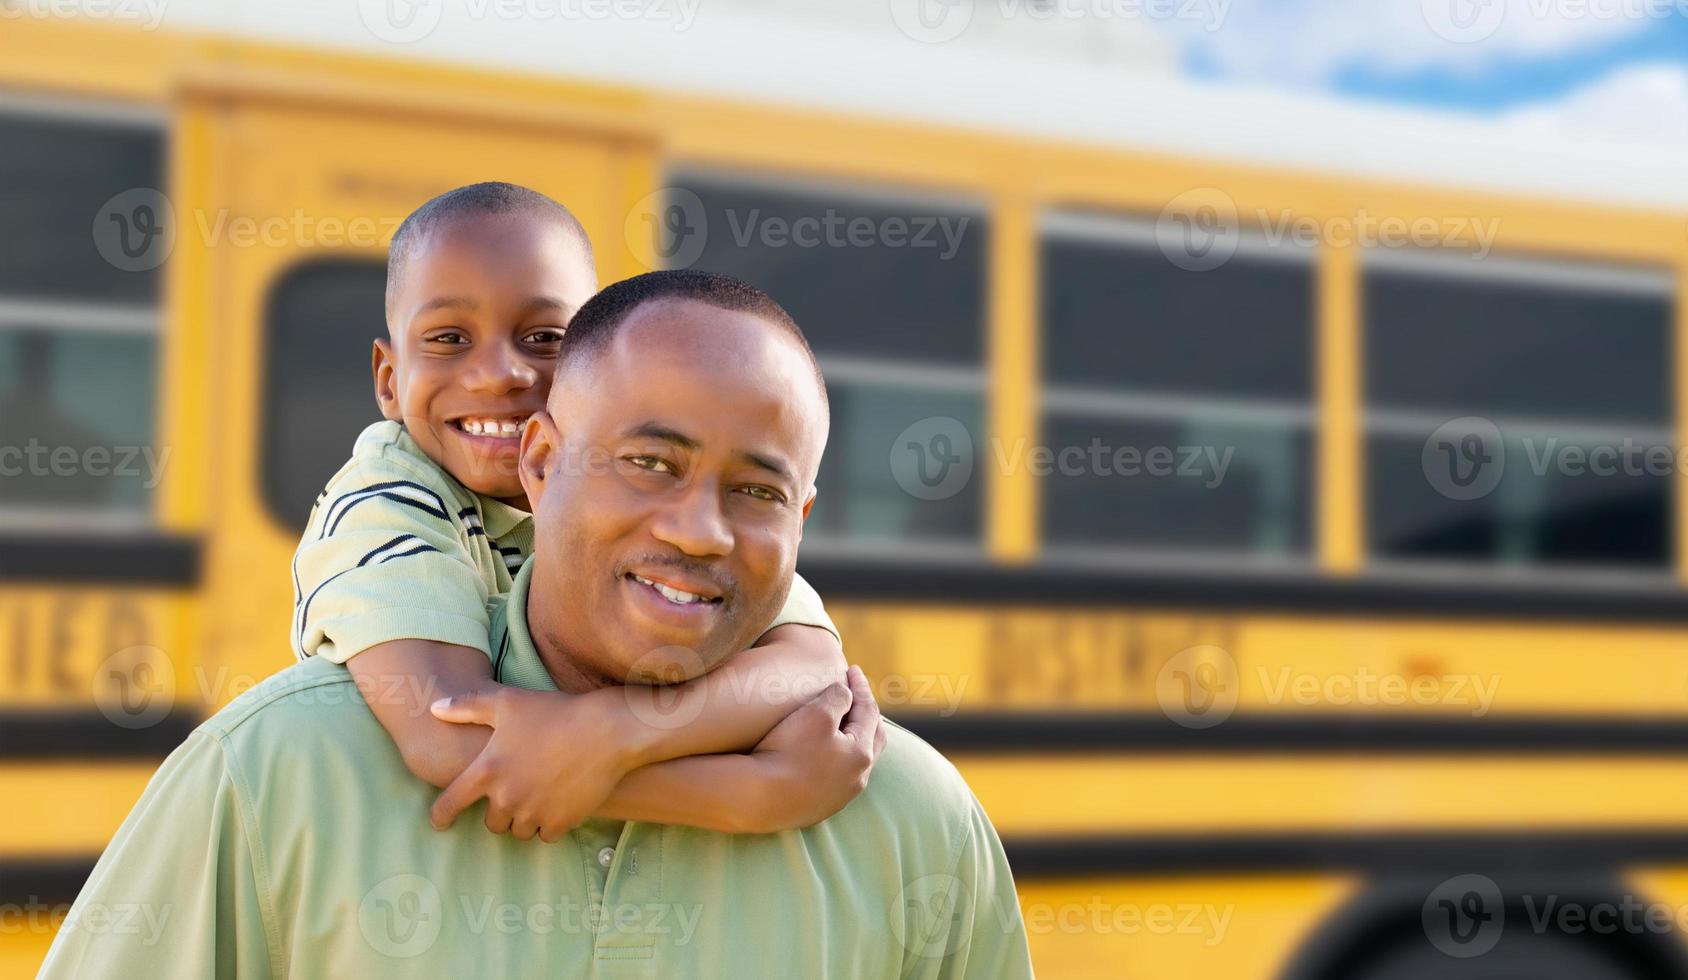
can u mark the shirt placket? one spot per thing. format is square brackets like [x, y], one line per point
[630, 922]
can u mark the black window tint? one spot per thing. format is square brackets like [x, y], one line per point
[57, 177]
[318, 326]
[76, 420]
[1220, 484]
[1540, 347]
[866, 278]
[875, 486]
[1533, 515]
[1118, 314]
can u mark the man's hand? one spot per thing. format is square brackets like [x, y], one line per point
[547, 767]
[817, 760]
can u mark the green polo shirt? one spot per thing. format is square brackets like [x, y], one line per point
[396, 548]
[286, 838]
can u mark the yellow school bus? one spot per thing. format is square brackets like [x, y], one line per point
[1164, 495]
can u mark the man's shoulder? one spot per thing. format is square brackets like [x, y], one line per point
[310, 700]
[914, 786]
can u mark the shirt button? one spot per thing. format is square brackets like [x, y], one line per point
[606, 857]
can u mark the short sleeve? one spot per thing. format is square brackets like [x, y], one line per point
[973, 928]
[803, 608]
[177, 892]
[385, 559]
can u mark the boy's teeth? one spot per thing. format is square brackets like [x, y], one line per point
[671, 594]
[503, 428]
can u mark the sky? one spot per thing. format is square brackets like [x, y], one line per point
[1567, 64]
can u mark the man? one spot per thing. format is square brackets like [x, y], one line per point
[286, 837]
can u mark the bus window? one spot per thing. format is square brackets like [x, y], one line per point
[320, 320]
[83, 233]
[1177, 401]
[891, 292]
[1519, 411]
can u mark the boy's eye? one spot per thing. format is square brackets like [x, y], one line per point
[449, 337]
[546, 336]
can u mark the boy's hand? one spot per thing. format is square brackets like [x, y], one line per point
[547, 767]
[817, 760]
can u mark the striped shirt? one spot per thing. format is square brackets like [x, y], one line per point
[397, 549]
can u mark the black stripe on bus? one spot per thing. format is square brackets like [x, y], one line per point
[1219, 591]
[55, 881]
[1095, 733]
[1446, 852]
[146, 558]
[87, 735]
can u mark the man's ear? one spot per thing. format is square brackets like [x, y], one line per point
[385, 369]
[809, 504]
[540, 440]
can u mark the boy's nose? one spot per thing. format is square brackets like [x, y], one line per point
[497, 374]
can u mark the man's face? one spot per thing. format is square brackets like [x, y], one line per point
[472, 339]
[670, 480]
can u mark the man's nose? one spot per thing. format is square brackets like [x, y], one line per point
[499, 371]
[694, 523]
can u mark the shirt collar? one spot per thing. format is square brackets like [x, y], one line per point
[515, 660]
[500, 518]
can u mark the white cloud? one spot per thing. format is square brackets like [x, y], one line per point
[1647, 102]
[1309, 40]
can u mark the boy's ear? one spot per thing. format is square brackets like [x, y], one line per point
[539, 440]
[386, 381]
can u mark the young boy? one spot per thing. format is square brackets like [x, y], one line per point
[427, 521]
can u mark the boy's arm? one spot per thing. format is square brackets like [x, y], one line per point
[806, 769]
[401, 678]
[544, 770]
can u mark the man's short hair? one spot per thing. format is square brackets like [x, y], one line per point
[597, 322]
[473, 200]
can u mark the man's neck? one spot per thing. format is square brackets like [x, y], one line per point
[572, 674]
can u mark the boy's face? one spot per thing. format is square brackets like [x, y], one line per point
[670, 481]
[472, 334]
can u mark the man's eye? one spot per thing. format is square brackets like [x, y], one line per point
[653, 463]
[762, 493]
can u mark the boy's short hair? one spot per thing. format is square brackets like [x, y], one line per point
[597, 322]
[473, 200]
